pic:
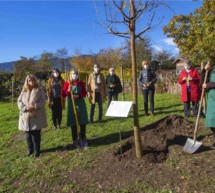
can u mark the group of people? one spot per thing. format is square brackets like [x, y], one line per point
[32, 100]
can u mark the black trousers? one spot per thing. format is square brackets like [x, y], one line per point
[187, 106]
[56, 111]
[112, 95]
[82, 134]
[148, 93]
[33, 140]
[98, 100]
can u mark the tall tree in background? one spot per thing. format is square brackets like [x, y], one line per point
[164, 57]
[44, 63]
[121, 19]
[61, 56]
[24, 66]
[143, 51]
[109, 58]
[194, 34]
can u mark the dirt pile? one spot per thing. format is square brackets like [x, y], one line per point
[158, 136]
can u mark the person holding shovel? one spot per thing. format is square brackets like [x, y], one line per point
[147, 80]
[189, 79]
[210, 86]
[56, 101]
[77, 118]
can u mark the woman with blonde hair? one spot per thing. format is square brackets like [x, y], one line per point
[32, 116]
[77, 117]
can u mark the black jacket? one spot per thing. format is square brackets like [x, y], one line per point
[147, 76]
[113, 80]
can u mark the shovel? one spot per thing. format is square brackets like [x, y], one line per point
[192, 145]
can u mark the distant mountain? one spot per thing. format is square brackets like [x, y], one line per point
[7, 66]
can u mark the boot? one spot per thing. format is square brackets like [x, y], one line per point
[77, 144]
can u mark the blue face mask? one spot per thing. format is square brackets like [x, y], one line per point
[74, 76]
[111, 73]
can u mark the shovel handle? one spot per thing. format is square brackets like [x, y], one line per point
[200, 106]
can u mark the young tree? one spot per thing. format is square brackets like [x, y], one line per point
[121, 19]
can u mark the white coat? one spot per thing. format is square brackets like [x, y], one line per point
[35, 120]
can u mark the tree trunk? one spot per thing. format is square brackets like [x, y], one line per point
[134, 85]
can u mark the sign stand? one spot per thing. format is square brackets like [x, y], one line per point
[119, 109]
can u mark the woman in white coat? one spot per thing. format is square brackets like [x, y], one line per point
[32, 117]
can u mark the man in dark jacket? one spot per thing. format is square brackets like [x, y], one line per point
[113, 86]
[147, 79]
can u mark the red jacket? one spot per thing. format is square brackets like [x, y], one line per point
[194, 85]
[82, 92]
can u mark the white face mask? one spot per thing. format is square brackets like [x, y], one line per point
[111, 73]
[55, 74]
[145, 66]
[187, 67]
[96, 69]
[74, 76]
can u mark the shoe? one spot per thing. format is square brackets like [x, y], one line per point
[29, 153]
[84, 144]
[146, 114]
[77, 144]
[54, 127]
[36, 154]
[58, 126]
[152, 114]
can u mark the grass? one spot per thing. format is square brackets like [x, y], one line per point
[19, 173]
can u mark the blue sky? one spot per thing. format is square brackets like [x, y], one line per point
[27, 28]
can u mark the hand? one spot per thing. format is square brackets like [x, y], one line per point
[75, 96]
[207, 66]
[30, 108]
[204, 85]
[88, 95]
[184, 78]
[148, 84]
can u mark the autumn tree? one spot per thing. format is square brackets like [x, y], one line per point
[194, 34]
[130, 20]
[109, 58]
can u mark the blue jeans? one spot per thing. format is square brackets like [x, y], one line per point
[98, 99]
[112, 95]
[148, 93]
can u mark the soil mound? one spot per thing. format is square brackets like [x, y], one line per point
[158, 136]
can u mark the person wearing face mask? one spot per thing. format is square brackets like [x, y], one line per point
[56, 101]
[32, 116]
[96, 91]
[189, 80]
[113, 86]
[76, 89]
[147, 80]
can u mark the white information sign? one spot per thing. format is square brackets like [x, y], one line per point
[119, 108]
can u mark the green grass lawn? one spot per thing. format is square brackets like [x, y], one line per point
[19, 173]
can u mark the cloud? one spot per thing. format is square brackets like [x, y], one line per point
[158, 48]
[169, 41]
